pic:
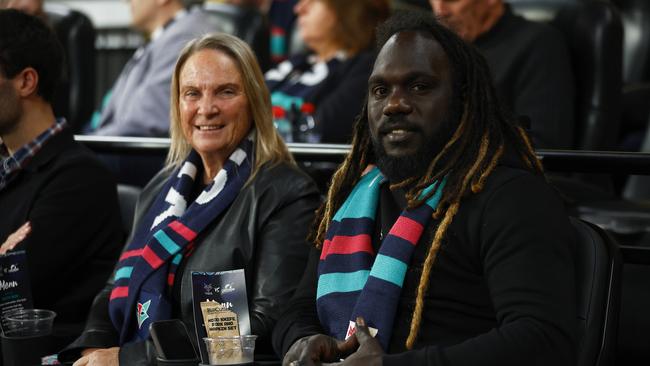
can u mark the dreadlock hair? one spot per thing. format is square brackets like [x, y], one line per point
[482, 131]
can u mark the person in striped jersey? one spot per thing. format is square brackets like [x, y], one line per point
[440, 242]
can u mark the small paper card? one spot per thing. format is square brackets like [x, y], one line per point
[15, 289]
[220, 306]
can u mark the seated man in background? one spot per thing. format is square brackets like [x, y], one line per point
[474, 258]
[74, 96]
[138, 104]
[530, 64]
[58, 203]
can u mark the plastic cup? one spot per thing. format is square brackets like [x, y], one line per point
[28, 323]
[231, 350]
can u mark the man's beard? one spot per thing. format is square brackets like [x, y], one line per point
[398, 169]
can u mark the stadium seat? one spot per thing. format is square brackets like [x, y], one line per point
[634, 319]
[594, 34]
[636, 89]
[636, 62]
[598, 279]
[128, 197]
[77, 35]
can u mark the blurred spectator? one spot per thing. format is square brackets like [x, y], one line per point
[58, 203]
[332, 79]
[31, 7]
[73, 99]
[281, 22]
[282, 19]
[138, 104]
[530, 63]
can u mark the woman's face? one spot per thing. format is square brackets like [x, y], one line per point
[214, 111]
[316, 20]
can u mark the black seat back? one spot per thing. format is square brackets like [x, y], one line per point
[128, 197]
[636, 47]
[247, 23]
[598, 274]
[75, 100]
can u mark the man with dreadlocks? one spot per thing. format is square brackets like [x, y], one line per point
[440, 242]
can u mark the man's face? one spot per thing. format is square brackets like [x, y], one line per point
[409, 97]
[465, 17]
[10, 107]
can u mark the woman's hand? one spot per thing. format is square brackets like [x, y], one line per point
[15, 238]
[313, 350]
[99, 357]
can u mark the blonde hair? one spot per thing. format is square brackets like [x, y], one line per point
[269, 146]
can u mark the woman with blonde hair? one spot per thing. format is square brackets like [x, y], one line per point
[329, 82]
[230, 197]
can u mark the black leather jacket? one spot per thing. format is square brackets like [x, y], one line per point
[263, 231]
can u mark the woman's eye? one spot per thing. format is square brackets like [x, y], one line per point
[191, 93]
[227, 93]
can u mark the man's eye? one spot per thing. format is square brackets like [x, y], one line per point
[379, 91]
[419, 87]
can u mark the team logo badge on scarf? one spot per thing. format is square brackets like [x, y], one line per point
[142, 312]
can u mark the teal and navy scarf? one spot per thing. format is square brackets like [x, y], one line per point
[352, 280]
[145, 272]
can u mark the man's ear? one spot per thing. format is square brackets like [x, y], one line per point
[26, 82]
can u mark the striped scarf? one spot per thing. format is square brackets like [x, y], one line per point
[145, 272]
[352, 280]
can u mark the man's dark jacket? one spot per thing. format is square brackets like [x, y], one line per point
[501, 291]
[531, 66]
[71, 201]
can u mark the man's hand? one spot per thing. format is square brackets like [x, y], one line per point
[99, 357]
[313, 350]
[15, 238]
[369, 352]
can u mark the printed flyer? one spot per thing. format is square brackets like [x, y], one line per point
[15, 289]
[220, 306]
